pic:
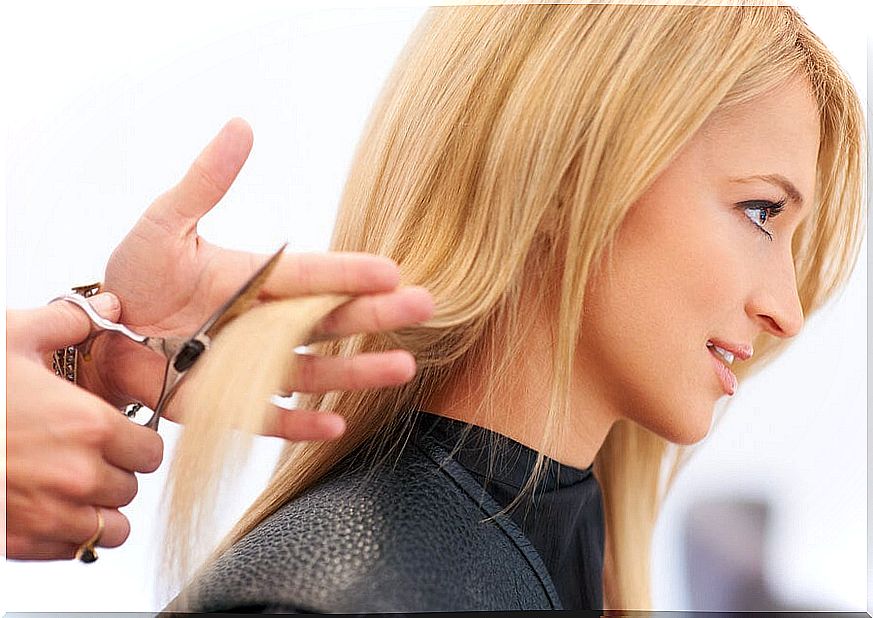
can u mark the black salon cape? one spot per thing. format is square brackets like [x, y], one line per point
[564, 526]
[565, 522]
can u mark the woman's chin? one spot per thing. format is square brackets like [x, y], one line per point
[686, 426]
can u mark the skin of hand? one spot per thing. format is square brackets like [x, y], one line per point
[67, 451]
[170, 280]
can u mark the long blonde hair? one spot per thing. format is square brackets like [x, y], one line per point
[502, 156]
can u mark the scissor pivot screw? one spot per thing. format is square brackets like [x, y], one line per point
[188, 354]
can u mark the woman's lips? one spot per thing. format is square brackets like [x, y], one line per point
[728, 380]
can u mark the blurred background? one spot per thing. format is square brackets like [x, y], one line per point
[106, 104]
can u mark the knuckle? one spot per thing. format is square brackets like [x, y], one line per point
[306, 275]
[70, 314]
[347, 275]
[96, 426]
[357, 374]
[306, 373]
[82, 479]
[204, 179]
[377, 317]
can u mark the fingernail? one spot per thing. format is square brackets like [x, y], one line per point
[105, 303]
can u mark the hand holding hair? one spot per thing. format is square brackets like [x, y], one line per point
[170, 280]
[68, 452]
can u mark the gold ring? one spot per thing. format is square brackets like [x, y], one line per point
[86, 552]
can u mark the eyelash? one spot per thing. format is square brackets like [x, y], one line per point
[771, 208]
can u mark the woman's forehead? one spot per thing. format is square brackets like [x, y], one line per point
[773, 138]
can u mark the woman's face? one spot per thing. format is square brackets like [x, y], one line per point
[691, 265]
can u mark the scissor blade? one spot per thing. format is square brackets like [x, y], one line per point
[244, 297]
[183, 353]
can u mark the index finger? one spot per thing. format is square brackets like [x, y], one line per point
[303, 274]
[133, 447]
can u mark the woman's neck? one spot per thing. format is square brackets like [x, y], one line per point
[521, 405]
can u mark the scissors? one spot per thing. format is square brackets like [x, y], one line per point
[181, 352]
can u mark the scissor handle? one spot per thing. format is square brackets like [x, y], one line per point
[165, 346]
[100, 321]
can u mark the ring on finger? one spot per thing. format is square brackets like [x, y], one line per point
[86, 552]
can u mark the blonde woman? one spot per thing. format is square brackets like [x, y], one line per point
[622, 213]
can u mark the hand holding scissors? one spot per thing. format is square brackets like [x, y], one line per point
[174, 288]
[170, 281]
[180, 352]
[70, 456]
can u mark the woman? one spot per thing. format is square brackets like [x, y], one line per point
[622, 212]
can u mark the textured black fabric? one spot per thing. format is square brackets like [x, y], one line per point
[406, 538]
[565, 520]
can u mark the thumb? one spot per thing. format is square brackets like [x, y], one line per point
[206, 181]
[62, 323]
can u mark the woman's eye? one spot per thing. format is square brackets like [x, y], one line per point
[761, 211]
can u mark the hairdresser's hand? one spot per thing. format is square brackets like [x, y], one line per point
[170, 280]
[67, 451]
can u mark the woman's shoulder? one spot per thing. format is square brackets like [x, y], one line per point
[405, 536]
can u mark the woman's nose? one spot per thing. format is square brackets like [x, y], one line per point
[775, 303]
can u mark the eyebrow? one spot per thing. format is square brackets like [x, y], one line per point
[778, 180]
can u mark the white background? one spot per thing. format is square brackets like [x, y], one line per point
[105, 108]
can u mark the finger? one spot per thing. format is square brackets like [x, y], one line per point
[377, 313]
[304, 425]
[85, 478]
[124, 444]
[24, 548]
[116, 530]
[80, 524]
[60, 323]
[115, 487]
[320, 374]
[303, 274]
[206, 181]
[134, 448]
